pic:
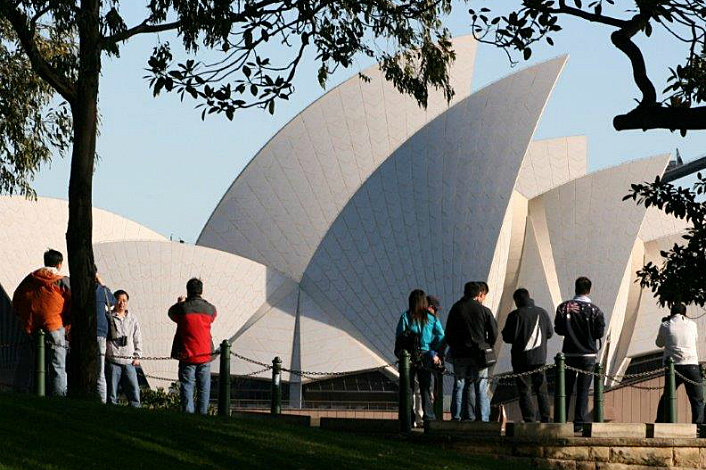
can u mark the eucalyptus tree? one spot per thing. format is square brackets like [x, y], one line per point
[50, 58]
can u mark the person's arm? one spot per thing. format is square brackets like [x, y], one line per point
[510, 327]
[547, 322]
[439, 338]
[173, 312]
[137, 340]
[560, 320]
[491, 327]
[401, 325]
[598, 324]
[661, 336]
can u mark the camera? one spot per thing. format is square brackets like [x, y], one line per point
[120, 341]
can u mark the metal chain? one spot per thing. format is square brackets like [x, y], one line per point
[686, 379]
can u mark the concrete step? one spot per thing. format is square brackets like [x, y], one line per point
[672, 430]
[636, 430]
[539, 431]
[364, 425]
[469, 428]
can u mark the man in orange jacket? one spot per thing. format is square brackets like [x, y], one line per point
[42, 301]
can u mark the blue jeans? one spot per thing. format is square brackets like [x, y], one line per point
[56, 347]
[115, 375]
[482, 396]
[188, 374]
[469, 399]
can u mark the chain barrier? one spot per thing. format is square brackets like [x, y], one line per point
[686, 379]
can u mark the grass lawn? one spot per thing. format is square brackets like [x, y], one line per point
[66, 434]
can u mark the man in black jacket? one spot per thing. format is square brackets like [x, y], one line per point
[528, 329]
[582, 325]
[470, 329]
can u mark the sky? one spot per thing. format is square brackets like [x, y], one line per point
[162, 166]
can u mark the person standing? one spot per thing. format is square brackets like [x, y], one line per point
[193, 346]
[678, 335]
[582, 325]
[42, 301]
[104, 306]
[470, 329]
[482, 386]
[123, 351]
[420, 322]
[527, 329]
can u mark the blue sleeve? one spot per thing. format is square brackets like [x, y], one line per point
[110, 297]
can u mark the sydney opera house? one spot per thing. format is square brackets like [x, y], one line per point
[363, 196]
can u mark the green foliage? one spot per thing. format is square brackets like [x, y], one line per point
[33, 124]
[417, 57]
[533, 21]
[160, 399]
[682, 275]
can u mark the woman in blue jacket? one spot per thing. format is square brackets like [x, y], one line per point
[428, 329]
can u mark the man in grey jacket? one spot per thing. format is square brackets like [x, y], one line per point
[678, 335]
[123, 351]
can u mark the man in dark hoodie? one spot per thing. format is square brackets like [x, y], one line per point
[528, 329]
[582, 325]
[470, 329]
[42, 301]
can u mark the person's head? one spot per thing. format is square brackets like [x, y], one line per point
[471, 290]
[53, 259]
[194, 287]
[418, 306]
[521, 297]
[678, 309]
[121, 300]
[434, 304]
[583, 286]
[484, 289]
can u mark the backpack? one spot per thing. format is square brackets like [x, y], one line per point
[411, 342]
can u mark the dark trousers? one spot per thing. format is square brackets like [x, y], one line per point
[694, 392]
[424, 376]
[525, 385]
[582, 383]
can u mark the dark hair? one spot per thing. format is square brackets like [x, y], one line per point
[521, 297]
[194, 287]
[418, 306]
[678, 309]
[471, 290]
[53, 258]
[484, 289]
[120, 292]
[583, 286]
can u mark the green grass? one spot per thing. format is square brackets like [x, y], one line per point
[67, 434]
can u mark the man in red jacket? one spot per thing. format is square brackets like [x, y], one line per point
[41, 302]
[193, 346]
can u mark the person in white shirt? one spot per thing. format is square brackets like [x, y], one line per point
[678, 335]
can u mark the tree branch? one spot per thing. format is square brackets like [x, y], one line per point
[622, 39]
[25, 34]
[660, 117]
[142, 28]
[594, 18]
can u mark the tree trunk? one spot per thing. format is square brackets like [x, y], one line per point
[79, 236]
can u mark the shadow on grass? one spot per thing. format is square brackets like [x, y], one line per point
[68, 434]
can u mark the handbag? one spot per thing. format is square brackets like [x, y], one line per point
[409, 341]
[486, 357]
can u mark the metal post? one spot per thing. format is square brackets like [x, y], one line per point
[276, 407]
[598, 394]
[40, 386]
[559, 390]
[670, 389]
[405, 409]
[224, 380]
[439, 396]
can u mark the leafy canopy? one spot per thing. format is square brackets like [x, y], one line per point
[40, 56]
[532, 22]
[682, 275]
